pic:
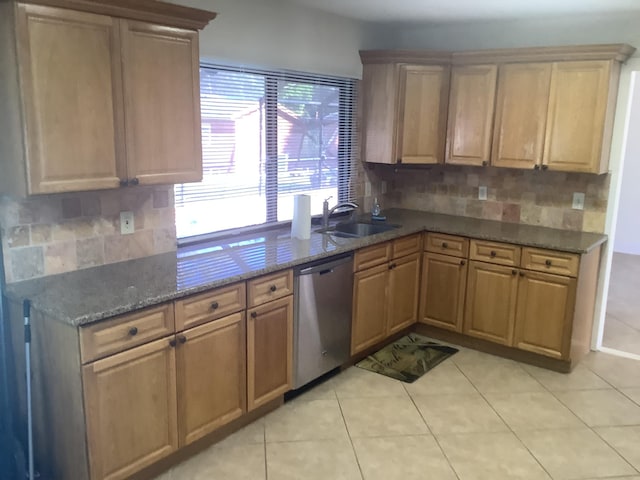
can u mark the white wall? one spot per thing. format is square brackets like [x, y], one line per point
[278, 34]
[573, 30]
[627, 232]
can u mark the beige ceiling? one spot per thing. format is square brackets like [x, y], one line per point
[440, 11]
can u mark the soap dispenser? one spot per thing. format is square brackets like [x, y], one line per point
[375, 211]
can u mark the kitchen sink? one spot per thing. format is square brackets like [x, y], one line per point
[358, 229]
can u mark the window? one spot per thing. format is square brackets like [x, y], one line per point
[267, 136]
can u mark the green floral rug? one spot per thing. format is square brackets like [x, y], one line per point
[408, 358]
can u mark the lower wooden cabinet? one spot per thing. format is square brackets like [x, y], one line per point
[444, 281]
[544, 314]
[130, 407]
[369, 319]
[490, 307]
[269, 351]
[404, 288]
[211, 376]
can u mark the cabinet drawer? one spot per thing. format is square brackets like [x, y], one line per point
[371, 256]
[406, 245]
[493, 252]
[121, 333]
[207, 306]
[550, 261]
[447, 244]
[267, 288]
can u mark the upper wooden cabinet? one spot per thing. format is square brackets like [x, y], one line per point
[521, 115]
[405, 109]
[547, 108]
[76, 72]
[471, 105]
[580, 116]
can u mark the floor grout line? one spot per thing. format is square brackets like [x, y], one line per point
[615, 449]
[353, 447]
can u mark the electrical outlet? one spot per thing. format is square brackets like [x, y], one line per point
[578, 201]
[127, 226]
[482, 192]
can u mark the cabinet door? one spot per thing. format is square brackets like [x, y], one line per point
[269, 351]
[369, 319]
[379, 97]
[422, 120]
[130, 408]
[71, 78]
[545, 313]
[521, 115]
[577, 115]
[211, 370]
[444, 281]
[471, 105]
[162, 109]
[404, 291]
[490, 307]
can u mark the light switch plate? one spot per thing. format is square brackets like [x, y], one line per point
[482, 192]
[127, 226]
[578, 201]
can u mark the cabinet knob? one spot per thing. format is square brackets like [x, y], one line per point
[547, 263]
[522, 274]
[273, 288]
[493, 253]
[545, 167]
[135, 181]
[514, 272]
[485, 163]
[463, 263]
[172, 342]
[214, 305]
[133, 331]
[392, 266]
[445, 245]
[124, 182]
[182, 339]
[254, 315]
[536, 167]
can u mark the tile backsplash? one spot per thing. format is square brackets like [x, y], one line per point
[50, 234]
[519, 196]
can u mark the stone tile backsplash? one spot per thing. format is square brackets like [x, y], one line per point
[50, 234]
[518, 196]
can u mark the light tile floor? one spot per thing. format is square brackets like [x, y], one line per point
[475, 416]
[622, 324]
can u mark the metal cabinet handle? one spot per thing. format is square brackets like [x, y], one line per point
[545, 167]
[522, 274]
[463, 263]
[514, 272]
[135, 181]
[182, 339]
[493, 253]
[485, 163]
[254, 315]
[536, 167]
[547, 263]
[392, 266]
[133, 331]
[214, 305]
[172, 342]
[445, 245]
[124, 182]
[273, 288]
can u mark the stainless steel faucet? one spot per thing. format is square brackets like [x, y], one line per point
[326, 211]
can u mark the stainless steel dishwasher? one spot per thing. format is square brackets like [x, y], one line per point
[323, 293]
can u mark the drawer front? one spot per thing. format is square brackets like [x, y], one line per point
[270, 287]
[493, 252]
[121, 333]
[447, 244]
[371, 256]
[550, 261]
[207, 306]
[406, 245]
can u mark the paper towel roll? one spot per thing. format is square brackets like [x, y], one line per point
[301, 224]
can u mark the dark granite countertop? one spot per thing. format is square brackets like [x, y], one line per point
[86, 296]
